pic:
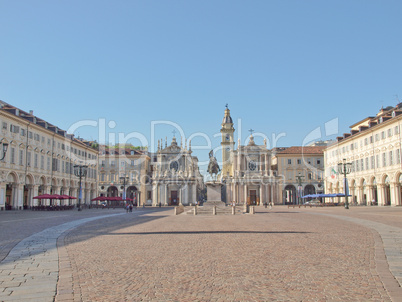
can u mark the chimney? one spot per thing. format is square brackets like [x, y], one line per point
[31, 112]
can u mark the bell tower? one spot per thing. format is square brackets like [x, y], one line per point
[227, 143]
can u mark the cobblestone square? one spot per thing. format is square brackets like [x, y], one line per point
[283, 254]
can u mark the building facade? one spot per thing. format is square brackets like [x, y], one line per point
[176, 178]
[302, 171]
[246, 171]
[125, 169]
[373, 148]
[40, 160]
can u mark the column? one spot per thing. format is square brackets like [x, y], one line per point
[2, 196]
[245, 187]
[17, 196]
[266, 164]
[194, 192]
[394, 194]
[189, 198]
[154, 194]
[262, 200]
[359, 194]
[166, 195]
[35, 192]
[381, 194]
[30, 195]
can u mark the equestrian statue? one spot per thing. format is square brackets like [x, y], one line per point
[213, 167]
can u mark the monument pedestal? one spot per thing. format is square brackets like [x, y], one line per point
[214, 193]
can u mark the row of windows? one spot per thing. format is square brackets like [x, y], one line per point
[115, 177]
[36, 162]
[38, 138]
[366, 141]
[293, 175]
[385, 159]
[112, 163]
[309, 161]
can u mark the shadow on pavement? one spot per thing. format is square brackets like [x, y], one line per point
[210, 232]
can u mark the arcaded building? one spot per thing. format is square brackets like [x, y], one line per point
[125, 168]
[302, 171]
[40, 160]
[373, 148]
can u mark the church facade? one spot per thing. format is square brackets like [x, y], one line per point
[176, 178]
[246, 171]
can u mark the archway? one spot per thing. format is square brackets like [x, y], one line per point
[290, 194]
[132, 193]
[11, 192]
[309, 189]
[352, 191]
[374, 193]
[364, 193]
[387, 192]
[112, 191]
[28, 187]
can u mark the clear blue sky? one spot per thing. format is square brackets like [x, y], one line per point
[282, 66]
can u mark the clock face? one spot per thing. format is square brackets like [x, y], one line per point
[174, 165]
[227, 137]
[252, 166]
[228, 149]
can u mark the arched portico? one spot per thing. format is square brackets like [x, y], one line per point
[132, 193]
[112, 191]
[28, 192]
[386, 190]
[309, 189]
[289, 194]
[14, 191]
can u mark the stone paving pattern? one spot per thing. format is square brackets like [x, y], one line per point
[306, 254]
[277, 255]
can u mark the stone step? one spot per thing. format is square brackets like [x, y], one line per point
[219, 211]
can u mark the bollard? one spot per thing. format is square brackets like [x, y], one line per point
[246, 208]
[175, 210]
[233, 210]
[214, 210]
[195, 210]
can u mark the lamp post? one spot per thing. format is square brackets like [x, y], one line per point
[5, 147]
[299, 188]
[80, 171]
[345, 168]
[123, 179]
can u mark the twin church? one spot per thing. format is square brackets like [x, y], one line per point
[246, 172]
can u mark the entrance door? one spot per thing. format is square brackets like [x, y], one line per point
[253, 197]
[173, 198]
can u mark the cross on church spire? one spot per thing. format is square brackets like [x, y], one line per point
[227, 106]
[174, 133]
[251, 131]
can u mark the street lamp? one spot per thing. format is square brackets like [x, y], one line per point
[300, 187]
[80, 171]
[123, 179]
[5, 147]
[345, 168]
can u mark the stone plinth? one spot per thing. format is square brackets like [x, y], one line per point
[214, 193]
